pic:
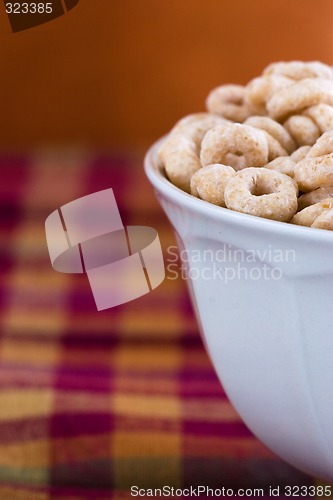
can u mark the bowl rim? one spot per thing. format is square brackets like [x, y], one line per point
[160, 182]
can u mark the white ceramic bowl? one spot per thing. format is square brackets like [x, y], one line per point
[263, 294]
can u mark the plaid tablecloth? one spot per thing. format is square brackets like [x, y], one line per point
[92, 403]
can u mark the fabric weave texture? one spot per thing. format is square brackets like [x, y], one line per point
[92, 403]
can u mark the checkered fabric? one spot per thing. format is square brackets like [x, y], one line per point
[92, 403]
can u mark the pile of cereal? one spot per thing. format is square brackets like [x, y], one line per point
[263, 149]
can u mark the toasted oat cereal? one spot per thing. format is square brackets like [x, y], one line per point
[283, 164]
[314, 197]
[179, 154]
[262, 192]
[209, 183]
[322, 116]
[300, 153]
[302, 129]
[298, 96]
[308, 215]
[229, 102]
[236, 145]
[261, 145]
[324, 220]
[312, 173]
[323, 146]
[260, 90]
[298, 70]
[273, 128]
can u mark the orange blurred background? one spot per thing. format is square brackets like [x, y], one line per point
[119, 73]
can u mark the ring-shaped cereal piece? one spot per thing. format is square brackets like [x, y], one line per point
[312, 173]
[298, 70]
[299, 96]
[209, 183]
[322, 115]
[308, 215]
[179, 157]
[303, 129]
[275, 149]
[179, 153]
[236, 145]
[324, 220]
[196, 125]
[275, 129]
[229, 102]
[283, 164]
[323, 146]
[260, 90]
[314, 197]
[300, 153]
[263, 193]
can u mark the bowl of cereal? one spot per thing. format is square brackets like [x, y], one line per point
[248, 189]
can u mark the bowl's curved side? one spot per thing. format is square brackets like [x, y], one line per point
[263, 298]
